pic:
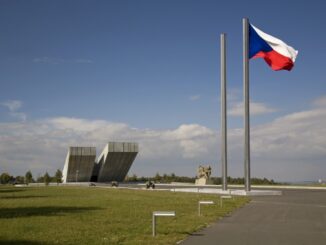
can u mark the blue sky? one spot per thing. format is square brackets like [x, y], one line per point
[153, 66]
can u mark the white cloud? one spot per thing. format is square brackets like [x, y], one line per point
[19, 115]
[55, 61]
[237, 109]
[233, 94]
[295, 136]
[236, 105]
[42, 144]
[292, 147]
[194, 97]
[85, 61]
[13, 107]
[321, 101]
[48, 60]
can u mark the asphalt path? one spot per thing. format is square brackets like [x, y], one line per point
[297, 217]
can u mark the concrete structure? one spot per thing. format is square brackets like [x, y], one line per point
[79, 164]
[113, 163]
[201, 181]
[204, 189]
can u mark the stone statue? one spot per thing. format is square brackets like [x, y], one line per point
[203, 174]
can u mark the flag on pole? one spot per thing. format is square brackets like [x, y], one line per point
[277, 54]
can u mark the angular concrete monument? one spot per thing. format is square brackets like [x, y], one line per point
[79, 164]
[115, 161]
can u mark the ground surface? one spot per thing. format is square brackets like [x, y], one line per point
[297, 217]
[91, 215]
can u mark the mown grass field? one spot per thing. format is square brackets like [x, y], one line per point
[88, 215]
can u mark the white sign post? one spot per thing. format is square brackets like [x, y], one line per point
[161, 214]
[224, 197]
[203, 203]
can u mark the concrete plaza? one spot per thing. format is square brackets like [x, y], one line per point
[296, 217]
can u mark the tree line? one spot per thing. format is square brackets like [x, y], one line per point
[6, 178]
[168, 178]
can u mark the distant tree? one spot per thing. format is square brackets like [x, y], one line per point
[157, 177]
[46, 178]
[40, 179]
[19, 180]
[133, 178]
[28, 177]
[5, 178]
[165, 178]
[216, 180]
[58, 176]
[142, 179]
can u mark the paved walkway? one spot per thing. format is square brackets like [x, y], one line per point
[297, 217]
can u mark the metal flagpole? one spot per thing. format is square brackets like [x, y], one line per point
[223, 113]
[245, 27]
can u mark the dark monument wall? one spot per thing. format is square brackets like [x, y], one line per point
[113, 164]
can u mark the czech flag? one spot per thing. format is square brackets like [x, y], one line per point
[277, 54]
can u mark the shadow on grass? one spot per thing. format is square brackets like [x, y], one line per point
[22, 242]
[8, 213]
[11, 190]
[21, 197]
[195, 234]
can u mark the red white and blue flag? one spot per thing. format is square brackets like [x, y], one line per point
[277, 54]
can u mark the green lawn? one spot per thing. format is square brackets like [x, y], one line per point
[88, 215]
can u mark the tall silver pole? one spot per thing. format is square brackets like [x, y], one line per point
[223, 113]
[245, 26]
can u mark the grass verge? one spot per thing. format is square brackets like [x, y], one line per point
[82, 215]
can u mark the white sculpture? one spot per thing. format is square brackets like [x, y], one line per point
[203, 174]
